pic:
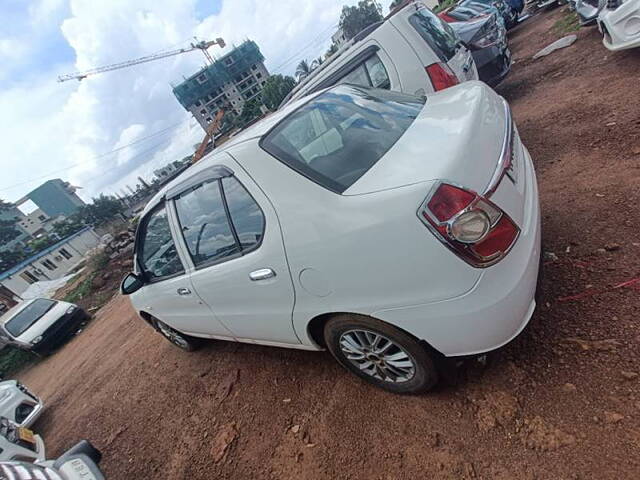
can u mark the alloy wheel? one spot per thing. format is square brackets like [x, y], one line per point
[173, 336]
[377, 356]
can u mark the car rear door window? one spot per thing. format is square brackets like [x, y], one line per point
[370, 73]
[204, 224]
[438, 35]
[360, 126]
[219, 221]
[158, 255]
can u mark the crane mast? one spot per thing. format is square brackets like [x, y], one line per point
[202, 46]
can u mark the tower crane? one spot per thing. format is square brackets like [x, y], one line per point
[201, 45]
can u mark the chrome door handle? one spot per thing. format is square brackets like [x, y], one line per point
[184, 291]
[262, 274]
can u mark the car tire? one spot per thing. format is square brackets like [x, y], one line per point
[178, 339]
[381, 354]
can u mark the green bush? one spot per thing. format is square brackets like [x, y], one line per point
[13, 360]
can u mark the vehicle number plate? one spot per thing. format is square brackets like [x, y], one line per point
[76, 468]
[26, 435]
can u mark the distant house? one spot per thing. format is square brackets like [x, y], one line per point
[51, 263]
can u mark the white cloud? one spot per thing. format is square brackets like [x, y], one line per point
[46, 127]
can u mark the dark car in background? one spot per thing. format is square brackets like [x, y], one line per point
[40, 325]
[471, 9]
[487, 40]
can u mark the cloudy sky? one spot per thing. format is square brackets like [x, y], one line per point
[103, 132]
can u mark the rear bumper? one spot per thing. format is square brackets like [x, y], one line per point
[493, 63]
[499, 305]
[619, 27]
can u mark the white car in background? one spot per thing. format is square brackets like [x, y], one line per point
[18, 404]
[412, 51]
[391, 229]
[40, 325]
[619, 23]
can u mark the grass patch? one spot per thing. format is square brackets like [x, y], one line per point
[567, 24]
[95, 265]
[13, 359]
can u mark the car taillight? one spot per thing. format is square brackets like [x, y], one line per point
[441, 76]
[473, 227]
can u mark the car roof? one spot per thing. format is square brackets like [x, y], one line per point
[345, 49]
[252, 133]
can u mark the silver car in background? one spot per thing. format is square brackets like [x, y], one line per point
[18, 404]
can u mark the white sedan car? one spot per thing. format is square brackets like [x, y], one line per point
[41, 325]
[18, 404]
[390, 229]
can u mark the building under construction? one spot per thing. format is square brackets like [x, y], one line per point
[227, 84]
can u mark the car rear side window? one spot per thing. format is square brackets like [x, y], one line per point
[336, 137]
[246, 217]
[158, 255]
[219, 220]
[438, 35]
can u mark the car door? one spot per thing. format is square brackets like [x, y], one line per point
[232, 236]
[424, 25]
[167, 294]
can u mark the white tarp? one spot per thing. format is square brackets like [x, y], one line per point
[562, 43]
[46, 288]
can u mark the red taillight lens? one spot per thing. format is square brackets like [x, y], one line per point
[448, 201]
[499, 239]
[441, 76]
[473, 227]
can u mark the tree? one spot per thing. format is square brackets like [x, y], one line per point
[250, 110]
[302, 70]
[316, 63]
[68, 226]
[332, 49]
[275, 89]
[354, 19]
[396, 3]
[100, 211]
[10, 258]
[8, 231]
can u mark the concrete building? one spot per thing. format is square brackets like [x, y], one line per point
[338, 38]
[37, 223]
[54, 198]
[52, 263]
[11, 214]
[228, 83]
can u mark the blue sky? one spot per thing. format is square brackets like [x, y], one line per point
[66, 130]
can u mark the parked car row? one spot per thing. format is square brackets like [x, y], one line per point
[618, 20]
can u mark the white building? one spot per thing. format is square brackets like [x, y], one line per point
[36, 223]
[52, 263]
[338, 38]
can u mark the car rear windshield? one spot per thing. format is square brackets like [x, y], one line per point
[436, 32]
[21, 321]
[340, 134]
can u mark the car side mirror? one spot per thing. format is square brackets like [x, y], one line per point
[131, 283]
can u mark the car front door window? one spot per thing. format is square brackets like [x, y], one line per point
[158, 256]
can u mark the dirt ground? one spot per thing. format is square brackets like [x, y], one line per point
[560, 402]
